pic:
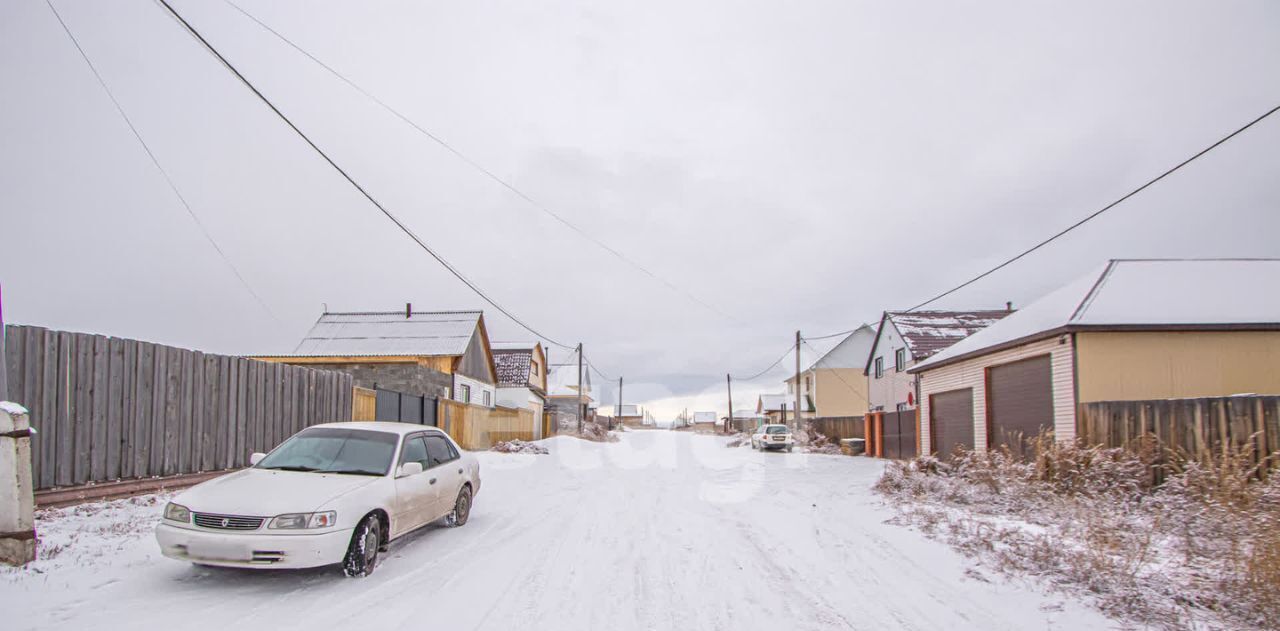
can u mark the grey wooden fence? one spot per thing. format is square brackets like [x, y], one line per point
[1195, 427]
[108, 409]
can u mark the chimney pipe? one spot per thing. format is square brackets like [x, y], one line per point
[1008, 306]
[408, 310]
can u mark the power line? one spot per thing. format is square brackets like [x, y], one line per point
[399, 224]
[479, 167]
[156, 162]
[790, 349]
[1096, 213]
[824, 337]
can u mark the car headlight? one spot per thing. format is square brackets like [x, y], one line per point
[299, 521]
[177, 512]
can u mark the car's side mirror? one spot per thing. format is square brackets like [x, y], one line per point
[409, 468]
[256, 457]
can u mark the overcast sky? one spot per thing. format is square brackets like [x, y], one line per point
[797, 165]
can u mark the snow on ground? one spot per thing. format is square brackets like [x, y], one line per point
[660, 530]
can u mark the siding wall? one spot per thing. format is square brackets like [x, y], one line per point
[834, 397]
[1132, 366]
[971, 373]
[477, 388]
[891, 389]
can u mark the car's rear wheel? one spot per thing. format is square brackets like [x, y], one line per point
[461, 508]
[362, 553]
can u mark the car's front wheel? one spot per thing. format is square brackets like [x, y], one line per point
[461, 508]
[362, 553]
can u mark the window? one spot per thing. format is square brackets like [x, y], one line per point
[900, 359]
[414, 451]
[438, 450]
[533, 368]
[486, 397]
[808, 383]
[879, 367]
[336, 450]
[464, 393]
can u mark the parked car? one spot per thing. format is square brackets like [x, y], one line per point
[773, 437]
[335, 493]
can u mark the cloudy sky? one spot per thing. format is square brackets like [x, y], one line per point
[794, 165]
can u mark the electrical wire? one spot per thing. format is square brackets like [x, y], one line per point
[399, 224]
[156, 162]
[480, 168]
[790, 349]
[824, 337]
[1096, 213]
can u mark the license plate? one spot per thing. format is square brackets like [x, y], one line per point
[218, 550]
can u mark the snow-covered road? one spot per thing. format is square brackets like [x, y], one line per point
[660, 531]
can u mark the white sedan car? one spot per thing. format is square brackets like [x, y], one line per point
[773, 437]
[332, 493]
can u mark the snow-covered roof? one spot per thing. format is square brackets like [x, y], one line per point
[562, 380]
[777, 402]
[928, 332]
[1143, 294]
[628, 410]
[390, 333]
[513, 366]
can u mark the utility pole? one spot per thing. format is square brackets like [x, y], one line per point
[729, 381]
[797, 410]
[582, 412]
[618, 416]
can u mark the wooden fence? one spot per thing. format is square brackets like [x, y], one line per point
[1196, 427]
[477, 427]
[838, 427]
[110, 409]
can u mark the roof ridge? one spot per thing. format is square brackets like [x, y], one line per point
[401, 313]
[1093, 291]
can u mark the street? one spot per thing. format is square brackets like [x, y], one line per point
[662, 530]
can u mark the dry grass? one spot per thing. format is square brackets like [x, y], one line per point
[1154, 538]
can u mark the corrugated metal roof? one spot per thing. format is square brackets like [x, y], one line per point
[444, 333]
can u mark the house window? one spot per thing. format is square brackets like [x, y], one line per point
[900, 359]
[464, 393]
[533, 368]
[486, 397]
[879, 367]
[808, 384]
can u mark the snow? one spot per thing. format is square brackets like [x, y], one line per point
[1141, 292]
[659, 530]
[11, 408]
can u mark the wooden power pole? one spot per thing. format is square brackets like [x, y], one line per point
[729, 382]
[797, 410]
[582, 412]
[618, 417]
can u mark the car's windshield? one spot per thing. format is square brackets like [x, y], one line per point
[333, 450]
[775, 429]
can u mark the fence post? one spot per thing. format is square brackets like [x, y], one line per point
[17, 498]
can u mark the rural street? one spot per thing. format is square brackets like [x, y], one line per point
[662, 530]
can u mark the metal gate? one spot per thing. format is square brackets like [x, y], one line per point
[951, 421]
[405, 408]
[1019, 402]
[899, 438]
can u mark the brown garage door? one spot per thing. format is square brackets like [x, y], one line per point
[951, 421]
[1020, 402]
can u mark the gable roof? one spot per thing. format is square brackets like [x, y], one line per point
[513, 367]
[383, 333]
[628, 409]
[927, 333]
[562, 381]
[1140, 294]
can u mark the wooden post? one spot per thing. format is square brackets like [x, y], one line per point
[17, 496]
[797, 410]
[729, 382]
[582, 412]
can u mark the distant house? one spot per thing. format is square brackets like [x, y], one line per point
[629, 415]
[835, 384]
[777, 408]
[1133, 330]
[906, 338]
[422, 353]
[704, 418]
[522, 376]
[745, 420]
[563, 396]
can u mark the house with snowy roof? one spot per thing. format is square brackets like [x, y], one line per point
[777, 408]
[906, 338]
[1133, 330]
[834, 385]
[420, 353]
[564, 397]
[522, 378]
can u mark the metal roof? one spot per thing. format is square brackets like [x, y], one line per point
[1137, 294]
[445, 333]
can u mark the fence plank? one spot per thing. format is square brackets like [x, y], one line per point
[129, 403]
[209, 414]
[115, 407]
[172, 411]
[14, 349]
[48, 427]
[98, 408]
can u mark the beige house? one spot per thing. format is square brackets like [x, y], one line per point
[1133, 330]
[522, 377]
[834, 385]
